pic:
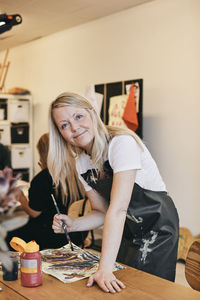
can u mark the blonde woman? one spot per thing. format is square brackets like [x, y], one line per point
[125, 189]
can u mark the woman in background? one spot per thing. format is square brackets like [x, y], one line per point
[125, 189]
[41, 209]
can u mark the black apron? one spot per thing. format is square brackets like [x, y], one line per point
[150, 238]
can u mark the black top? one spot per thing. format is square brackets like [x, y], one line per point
[4, 157]
[40, 228]
[40, 197]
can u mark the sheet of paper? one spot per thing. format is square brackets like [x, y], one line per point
[116, 110]
[69, 266]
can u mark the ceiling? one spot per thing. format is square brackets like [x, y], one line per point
[44, 17]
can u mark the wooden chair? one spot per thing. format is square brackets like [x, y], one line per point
[192, 265]
[81, 208]
[185, 241]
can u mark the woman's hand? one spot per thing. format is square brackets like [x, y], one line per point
[57, 223]
[106, 281]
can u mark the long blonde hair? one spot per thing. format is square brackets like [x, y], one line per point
[62, 155]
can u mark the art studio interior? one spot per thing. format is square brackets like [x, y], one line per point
[103, 50]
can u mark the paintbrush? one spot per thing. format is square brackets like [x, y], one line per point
[63, 224]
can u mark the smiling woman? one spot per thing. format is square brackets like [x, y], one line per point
[124, 187]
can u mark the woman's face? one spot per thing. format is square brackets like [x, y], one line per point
[75, 125]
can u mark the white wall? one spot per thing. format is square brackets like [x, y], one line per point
[159, 42]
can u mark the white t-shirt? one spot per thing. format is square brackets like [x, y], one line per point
[124, 153]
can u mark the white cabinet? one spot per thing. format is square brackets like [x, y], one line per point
[18, 110]
[5, 133]
[16, 132]
[20, 156]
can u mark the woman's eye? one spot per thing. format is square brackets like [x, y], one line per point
[78, 117]
[64, 125]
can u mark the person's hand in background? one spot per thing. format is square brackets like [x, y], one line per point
[9, 191]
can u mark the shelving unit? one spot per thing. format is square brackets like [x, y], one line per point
[16, 132]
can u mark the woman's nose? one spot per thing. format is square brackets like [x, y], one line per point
[74, 126]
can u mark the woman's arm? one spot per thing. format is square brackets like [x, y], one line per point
[25, 206]
[112, 232]
[94, 219]
[121, 192]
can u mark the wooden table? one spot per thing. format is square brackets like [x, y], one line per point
[139, 286]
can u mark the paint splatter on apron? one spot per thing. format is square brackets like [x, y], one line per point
[150, 238]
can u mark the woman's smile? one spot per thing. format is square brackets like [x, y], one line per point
[80, 134]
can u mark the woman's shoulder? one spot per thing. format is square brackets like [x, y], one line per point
[123, 138]
[124, 153]
[123, 142]
[42, 176]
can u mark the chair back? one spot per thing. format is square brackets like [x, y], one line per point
[192, 265]
[79, 208]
